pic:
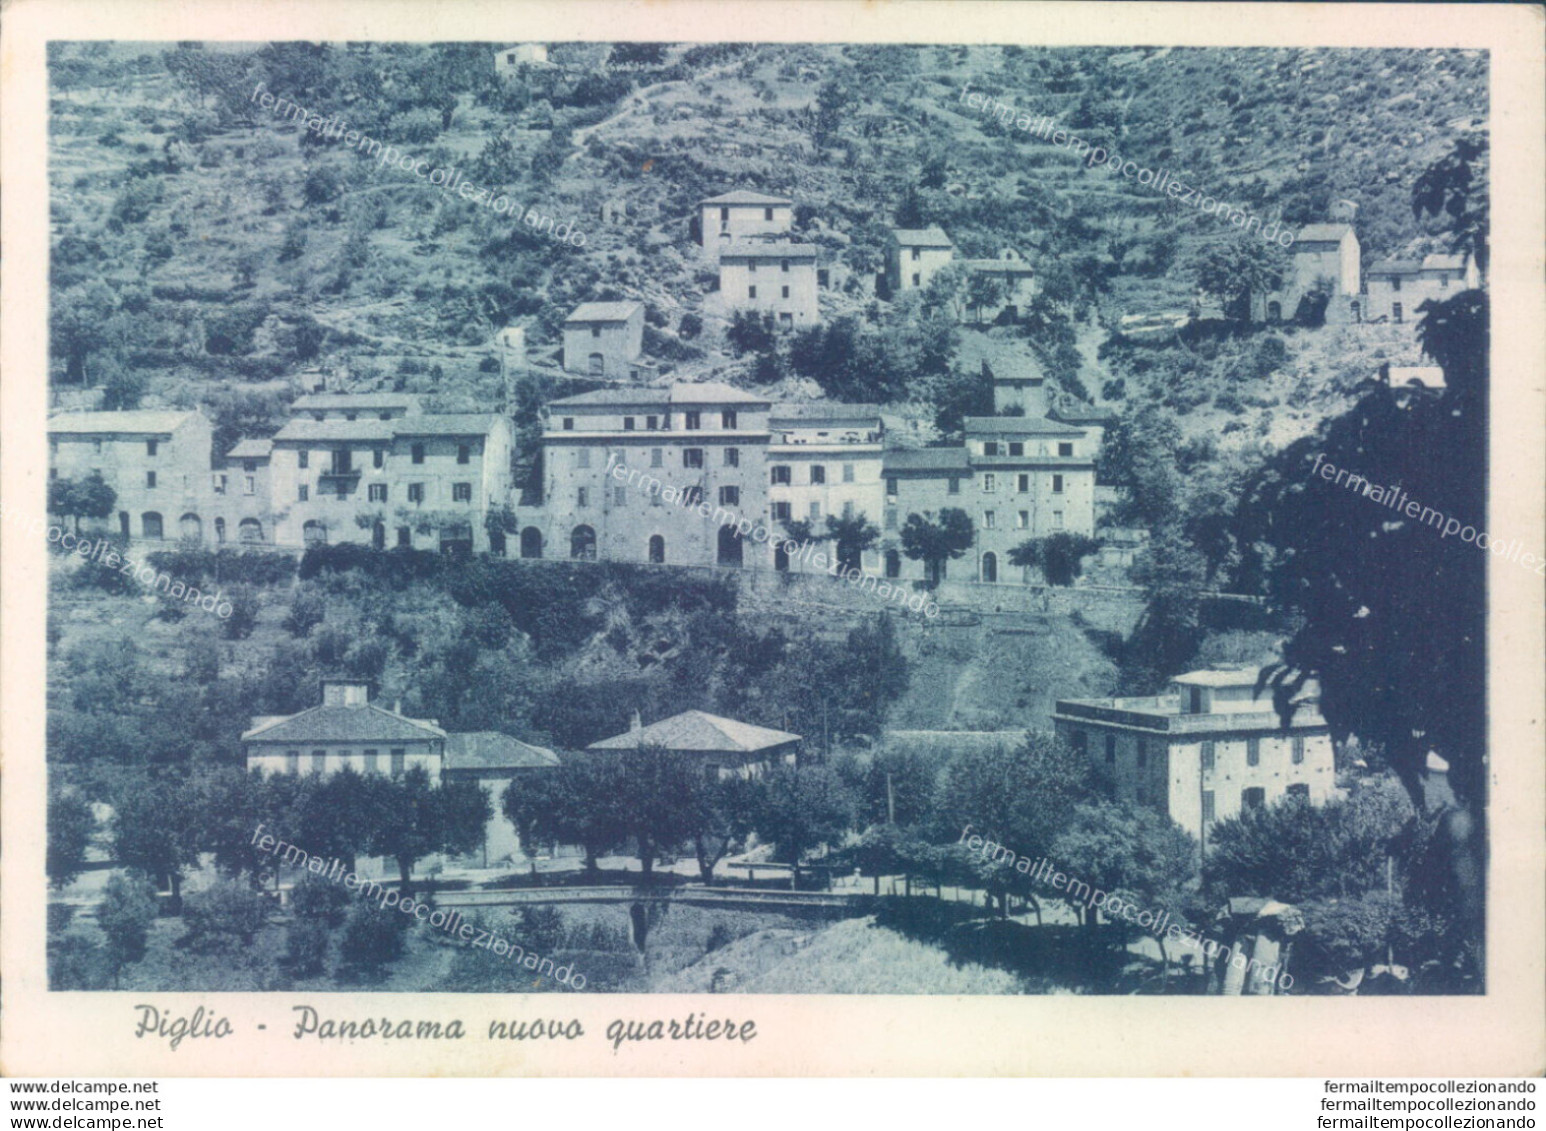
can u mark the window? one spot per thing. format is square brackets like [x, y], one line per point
[651, 423]
[916, 254]
[386, 416]
[989, 484]
[1300, 790]
[342, 463]
[1207, 807]
[692, 457]
[848, 511]
[1395, 312]
[916, 276]
[818, 473]
[372, 762]
[620, 496]
[784, 292]
[767, 213]
[1207, 756]
[729, 496]
[1298, 750]
[1065, 449]
[461, 492]
[96, 446]
[318, 761]
[891, 486]
[848, 473]
[582, 457]
[378, 458]
[1111, 750]
[1057, 520]
[351, 416]
[1057, 484]
[1023, 484]
[627, 424]
[249, 485]
[303, 493]
[955, 485]
[732, 457]
[654, 498]
[782, 477]
[890, 518]
[1253, 752]
[582, 497]
[781, 512]
[399, 761]
[568, 424]
[1143, 753]
[151, 446]
[405, 538]
[1395, 285]
[292, 761]
[783, 264]
[1022, 520]
[303, 460]
[415, 492]
[595, 331]
[378, 492]
[1017, 447]
[990, 447]
[751, 292]
[727, 419]
[724, 214]
[692, 496]
[1253, 798]
[692, 421]
[657, 457]
[989, 520]
[249, 465]
[463, 453]
[418, 453]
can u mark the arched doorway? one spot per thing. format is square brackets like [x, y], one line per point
[190, 528]
[378, 536]
[657, 550]
[729, 547]
[1357, 313]
[531, 542]
[990, 567]
[314, 533]
[220, 531]
[780, 557]
[582, 544]
[893, 564]
[249, 530]
[150, 525]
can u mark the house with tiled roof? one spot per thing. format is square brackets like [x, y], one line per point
[742, 215]
[914, 255]
[726, 747]
[605, 339]
[1321, 254]
[1398, 287]
[495, 762]
[772, 278]
[355, 406]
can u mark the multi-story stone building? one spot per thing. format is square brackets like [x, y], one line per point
[158, 463]
[824, 460]
[1017, 279]
[921, 481]
[914, 255]
[695, 448]
[243, 494]
[1203, 752]
[742, 215]
[777, 279]
[1397, 288]
[605, 339]
[1320, 251]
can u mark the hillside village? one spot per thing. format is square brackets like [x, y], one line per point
[842, 467]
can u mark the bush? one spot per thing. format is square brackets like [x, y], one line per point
[319, 900]
[223, 917]
[244, 605]
[540, 928]
[372, 938]
[306, 945]
[127, 910]
[689, 327]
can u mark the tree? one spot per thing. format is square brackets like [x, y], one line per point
[722, 813]
[70, 827]
[127, 910]
[464, 815]
[90, 497]
[658, 787]
[935, 543]
[984, 289]
[798, 808]
[372, 938]
[852, 536]
[1059, 556]
[1238, 269]
[156, 830]
[1170, 631]
[123, 387]
[224, 917]
[578, 803]
[404, 820]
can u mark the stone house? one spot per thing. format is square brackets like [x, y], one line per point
[914, 255]
[742, 215]
[605, 339]
[1398, 287]
[777, 279]
[1319, 251]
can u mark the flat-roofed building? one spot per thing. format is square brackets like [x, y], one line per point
[776, 279]
[914, 255]
[157, 462]
[742, 215]
[1206, 750]
[605, 339]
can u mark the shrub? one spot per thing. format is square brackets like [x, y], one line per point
[306, 945]
[319, 900]
[719, 936]
[127, 910]
[540, 928]
[372, 938]
[244, 605]
[223, 917]
[689, 327]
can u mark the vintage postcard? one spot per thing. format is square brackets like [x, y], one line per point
[772, 539]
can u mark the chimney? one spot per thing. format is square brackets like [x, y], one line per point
[345, 693]
[635, 724]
